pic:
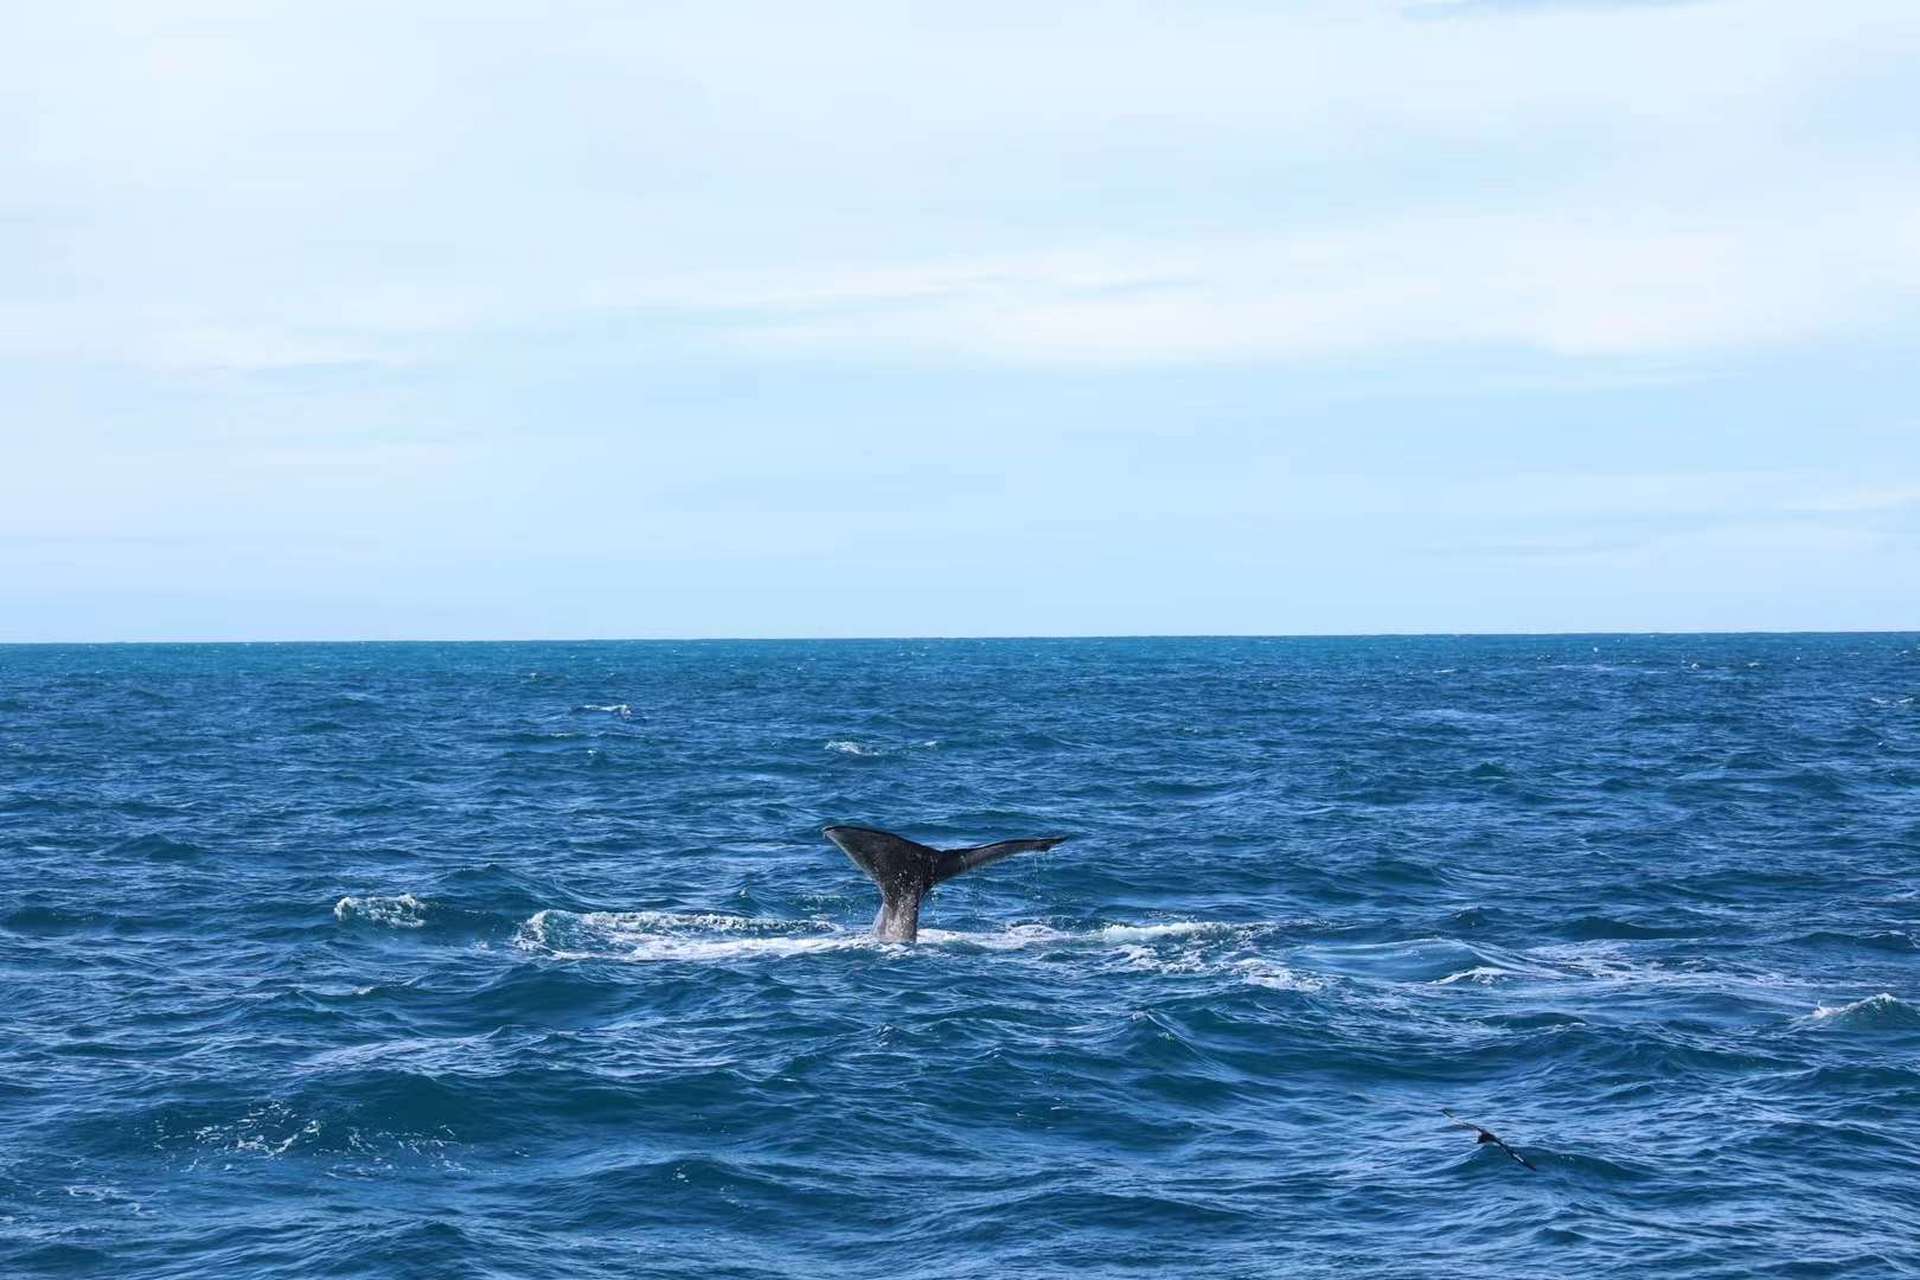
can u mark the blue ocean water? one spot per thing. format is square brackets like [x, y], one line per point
[528, 960]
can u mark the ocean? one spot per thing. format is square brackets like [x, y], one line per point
[528, 960]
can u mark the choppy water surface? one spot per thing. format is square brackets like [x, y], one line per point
[527, 960]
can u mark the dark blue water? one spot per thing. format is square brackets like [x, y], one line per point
[527, 960]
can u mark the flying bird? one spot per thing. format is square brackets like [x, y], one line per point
[1488, 1135]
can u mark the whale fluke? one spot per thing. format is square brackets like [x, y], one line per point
[906, 871]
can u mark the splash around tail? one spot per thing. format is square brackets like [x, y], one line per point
[907, 871]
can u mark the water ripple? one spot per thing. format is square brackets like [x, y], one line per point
[529, 961]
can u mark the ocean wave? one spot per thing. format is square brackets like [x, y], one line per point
[661, 935]
[1144, 959]
[1882, 940]
[1174, 929]
[853, 747]
[269, 1131]
[1157, 946]
[370, 1134]
[666, 935]
[538, 737]
[1426, 960]
[44, 919]
[1614, 963]
[1228, 955]
[158, 848]
[1884, 1012]
[1596, 928]
[402, 911]
[1278, 977]
[1483, 974]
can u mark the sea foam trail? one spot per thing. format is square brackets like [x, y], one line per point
[661, 935]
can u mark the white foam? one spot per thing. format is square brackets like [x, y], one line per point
[662, 935]
[1012, 938]
[1127, 937]
[1182, 960]
[272, 1130]
[402, 912]
[620, 709]
[1621, 963]
[851, 747]
[666, 935]
[1885, 1005]
[1153, 932]
[676, 921]
[1484, 974]
[1277, 977]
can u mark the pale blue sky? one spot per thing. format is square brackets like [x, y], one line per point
[611, 319]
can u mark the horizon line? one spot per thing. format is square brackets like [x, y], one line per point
[1655, 633]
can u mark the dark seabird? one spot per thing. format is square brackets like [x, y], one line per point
[1487, 1135]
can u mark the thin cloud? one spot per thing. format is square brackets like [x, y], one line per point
[1464, 8]
[1864, 498]
[1574, 286]
[1229, 185]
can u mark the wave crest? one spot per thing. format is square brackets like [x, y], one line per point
[664, 935]
[853, 747]
[667, 935]
[403, 911]
[1884, 1012]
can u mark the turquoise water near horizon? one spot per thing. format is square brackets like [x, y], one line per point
[528, 959]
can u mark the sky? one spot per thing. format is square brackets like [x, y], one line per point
[567, 320]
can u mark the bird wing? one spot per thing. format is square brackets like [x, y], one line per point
[1516, 1155]
[1466, 1124]
[1488, 1135]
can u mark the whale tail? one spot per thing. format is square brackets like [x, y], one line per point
[907, 871]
